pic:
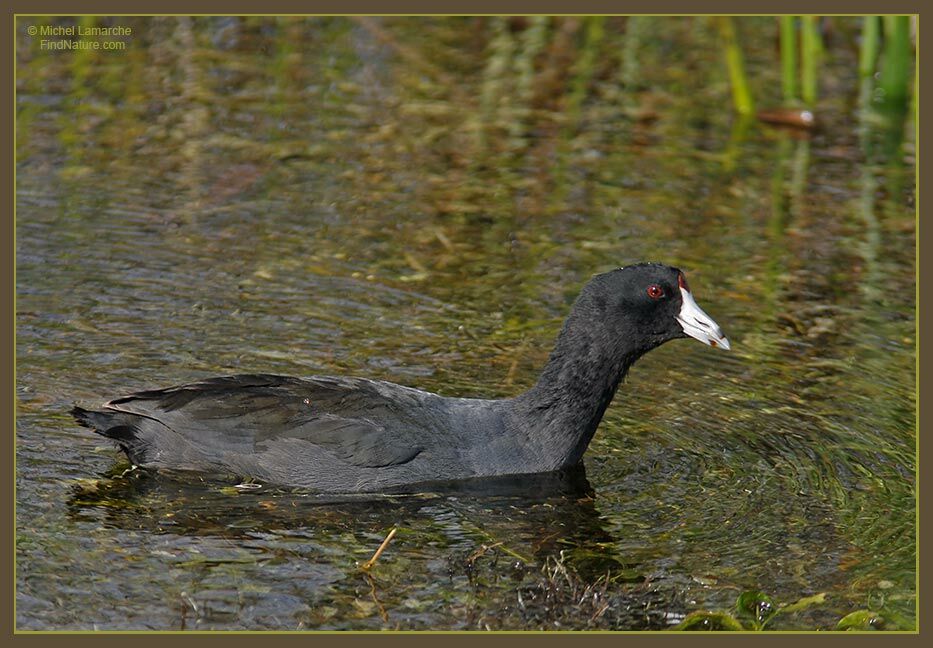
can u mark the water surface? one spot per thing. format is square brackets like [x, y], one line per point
[419, 200]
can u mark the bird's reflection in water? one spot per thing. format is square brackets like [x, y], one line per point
[533, 516]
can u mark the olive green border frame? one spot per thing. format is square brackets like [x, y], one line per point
[424, 7]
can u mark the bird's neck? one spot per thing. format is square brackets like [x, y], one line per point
[562, 411]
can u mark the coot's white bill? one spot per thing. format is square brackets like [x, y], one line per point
[698, 324]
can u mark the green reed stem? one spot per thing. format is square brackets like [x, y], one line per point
[811, 47]
[789, 57]
[741, 95]
[871, 41]
[895, 65]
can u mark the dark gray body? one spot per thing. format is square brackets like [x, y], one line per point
[327, 433]
[355, 435]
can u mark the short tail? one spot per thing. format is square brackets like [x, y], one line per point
[114, 426]
[97, 421]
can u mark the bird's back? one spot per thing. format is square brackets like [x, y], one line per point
[336, 434]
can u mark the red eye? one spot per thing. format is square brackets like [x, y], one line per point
[655, 291]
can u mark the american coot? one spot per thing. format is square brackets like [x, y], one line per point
[357, 435]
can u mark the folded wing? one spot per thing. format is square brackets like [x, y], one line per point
[251, 414]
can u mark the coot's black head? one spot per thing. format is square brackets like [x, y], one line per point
[647, 304]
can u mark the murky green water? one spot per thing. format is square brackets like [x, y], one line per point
[419, 201]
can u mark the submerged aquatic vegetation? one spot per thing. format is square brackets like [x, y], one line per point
[371, 196]
[556, 596]
[753, 611]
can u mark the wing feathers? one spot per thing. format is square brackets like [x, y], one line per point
[348, 418]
